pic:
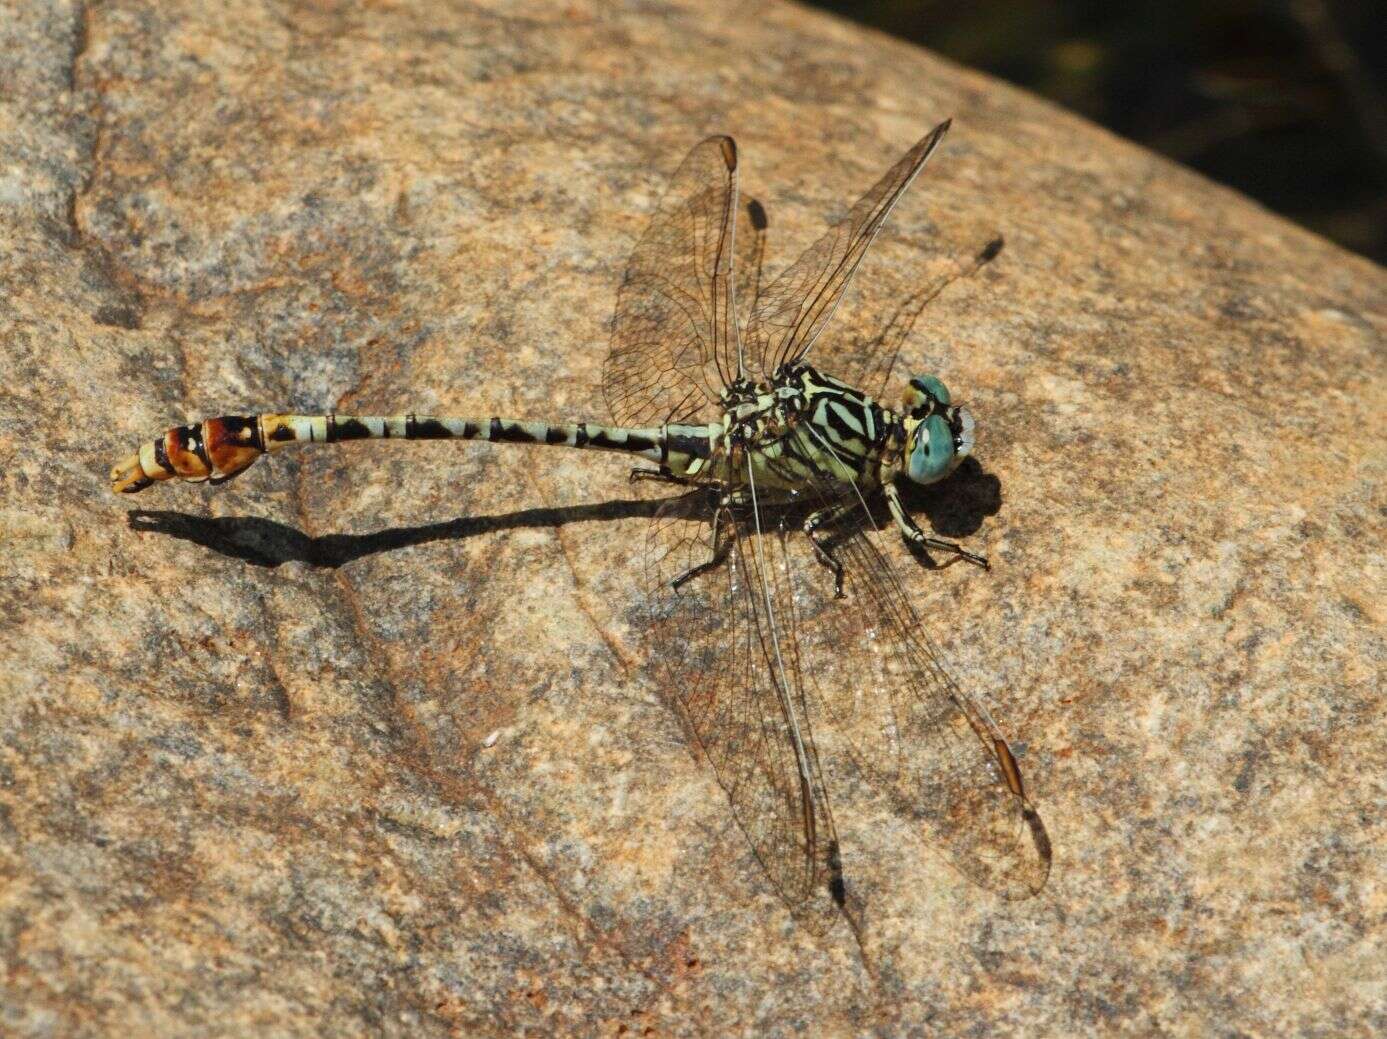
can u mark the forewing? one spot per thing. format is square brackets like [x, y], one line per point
[878, 683]
[726, 657]
[791, 312]
[674, 336]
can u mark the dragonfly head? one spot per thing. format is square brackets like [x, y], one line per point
[939, 434]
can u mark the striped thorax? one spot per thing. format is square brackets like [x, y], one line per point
[810, 426]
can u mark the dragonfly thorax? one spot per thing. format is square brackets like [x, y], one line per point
[804, 428]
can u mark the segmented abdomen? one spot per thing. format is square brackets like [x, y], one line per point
[219, 448]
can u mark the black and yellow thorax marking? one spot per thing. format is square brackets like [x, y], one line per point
[806, 425]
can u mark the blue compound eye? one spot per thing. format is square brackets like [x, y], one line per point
[923, 390]
[932, 453]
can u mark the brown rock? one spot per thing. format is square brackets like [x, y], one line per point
[364, 742]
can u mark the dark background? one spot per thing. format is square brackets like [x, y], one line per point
[1282, 99]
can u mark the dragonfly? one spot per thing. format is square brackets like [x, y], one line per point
[766, 586]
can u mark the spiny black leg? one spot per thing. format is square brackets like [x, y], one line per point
[661, 475]
[918, 540]
[919, 543]
[721, 547]
[718, 558]
[825, 555]
[959, 551]
[826, 558]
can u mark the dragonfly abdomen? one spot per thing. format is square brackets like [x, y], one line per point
[220, 448]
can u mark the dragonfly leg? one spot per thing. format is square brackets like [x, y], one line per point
[721, 547]
[660, 475]
[824, 551]
[918, 539]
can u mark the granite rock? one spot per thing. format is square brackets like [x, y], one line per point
[365, 742]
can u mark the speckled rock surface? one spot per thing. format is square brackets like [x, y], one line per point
[364, 742]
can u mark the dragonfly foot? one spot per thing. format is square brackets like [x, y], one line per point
[959, 552]
[693, 571]
[922, 545]
[823, 551]
[827, 559]
[721, 547]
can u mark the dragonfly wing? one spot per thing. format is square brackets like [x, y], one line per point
[902, 720]
[674, 337]
[790, 313]
[729, 661]
[875, 322]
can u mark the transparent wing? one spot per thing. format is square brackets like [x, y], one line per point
[888, 301]
[674, 337]
[877, 682]
[791, 312]
[729, 661]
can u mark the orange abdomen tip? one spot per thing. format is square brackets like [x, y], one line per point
[128, 475]
[214, 450]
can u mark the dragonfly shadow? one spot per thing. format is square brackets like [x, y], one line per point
[268, 543]
[956, 507]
